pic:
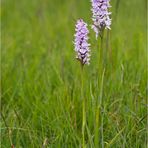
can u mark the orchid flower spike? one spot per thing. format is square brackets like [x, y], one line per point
[101, 15]
[81, 42]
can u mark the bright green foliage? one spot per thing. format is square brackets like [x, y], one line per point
[41, 99]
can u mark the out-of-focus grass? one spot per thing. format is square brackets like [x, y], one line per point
[41, 99]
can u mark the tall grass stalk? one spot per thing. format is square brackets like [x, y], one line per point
[117, 8]
[8, 130]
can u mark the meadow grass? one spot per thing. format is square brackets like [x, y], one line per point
[41, 104]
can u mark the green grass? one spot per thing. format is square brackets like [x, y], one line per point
[41, 100]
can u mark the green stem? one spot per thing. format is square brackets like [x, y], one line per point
[102, 133]
[104, 50]
[98, 117]
[84, 123]
[101, 52]
[107, 50]
[97, 126]
[101, 104]
[83, 110]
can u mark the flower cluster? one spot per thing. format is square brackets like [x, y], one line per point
[101, 15]
[81, 42]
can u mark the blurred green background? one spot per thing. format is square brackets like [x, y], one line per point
[41, 103]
